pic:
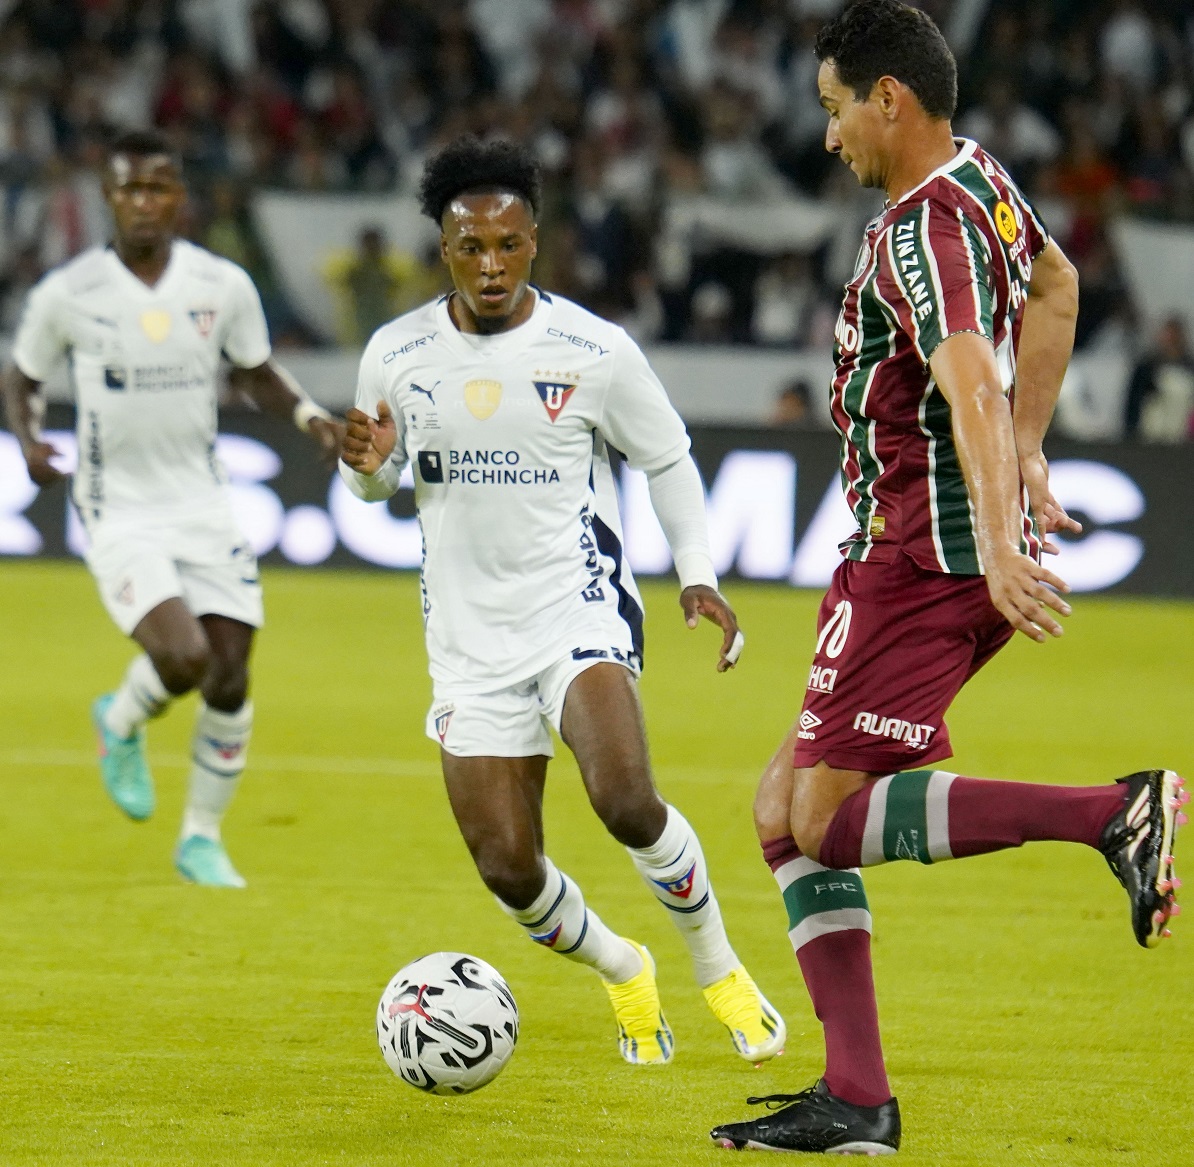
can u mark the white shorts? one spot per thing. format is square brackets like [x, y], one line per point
[516, 722]
[204, 559]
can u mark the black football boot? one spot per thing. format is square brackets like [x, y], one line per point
[816, 1121]
[1138, 847]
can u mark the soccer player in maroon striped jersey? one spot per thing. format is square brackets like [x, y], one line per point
[953, 339]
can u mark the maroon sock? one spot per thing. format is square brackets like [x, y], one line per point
[930, 815]
[836, 963]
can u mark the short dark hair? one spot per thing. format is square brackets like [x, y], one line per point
[144, 144]
[884, 38]
[470, 166]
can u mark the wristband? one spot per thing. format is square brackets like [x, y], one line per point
[306, 411]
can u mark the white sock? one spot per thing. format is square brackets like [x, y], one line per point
[559, 920]
[675, 871]
[141, 696]
[218, 754]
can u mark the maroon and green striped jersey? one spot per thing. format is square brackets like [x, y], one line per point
[953, 255]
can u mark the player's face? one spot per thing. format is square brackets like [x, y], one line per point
[856, 128]
[489, 244]
[145, 194]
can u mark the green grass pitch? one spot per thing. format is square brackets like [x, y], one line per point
[147, 1022]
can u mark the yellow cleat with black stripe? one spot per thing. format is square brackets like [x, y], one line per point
[644, 1037]
[756, 1029]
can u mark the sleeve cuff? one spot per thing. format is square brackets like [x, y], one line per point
[371, 487]
[695, 568]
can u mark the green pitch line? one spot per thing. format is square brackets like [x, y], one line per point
[145, 1022]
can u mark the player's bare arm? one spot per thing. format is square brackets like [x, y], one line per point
[23, 406]
[275, 391]
[368, 442]
[1046, 343]
[966, 371]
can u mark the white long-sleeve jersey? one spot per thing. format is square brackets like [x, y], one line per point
[508, 436]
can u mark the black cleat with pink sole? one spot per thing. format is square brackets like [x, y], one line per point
[1138, 847]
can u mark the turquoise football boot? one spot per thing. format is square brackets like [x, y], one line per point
[122, 765]
[204, 861]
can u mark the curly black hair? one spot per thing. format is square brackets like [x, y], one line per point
[470, 165]
[884, 38]
[144, 144]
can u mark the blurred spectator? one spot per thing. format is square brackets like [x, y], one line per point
[373, 284]
[1160, 404]
[1014, 132]
[793, 408]
[637, 109]
[785, 296]
[734, 164]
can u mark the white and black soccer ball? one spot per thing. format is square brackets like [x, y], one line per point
[447, 1023]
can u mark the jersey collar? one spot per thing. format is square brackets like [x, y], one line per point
[501, 343]
[172, 265]
[966, 148]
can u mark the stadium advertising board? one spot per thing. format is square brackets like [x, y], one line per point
[775, 508]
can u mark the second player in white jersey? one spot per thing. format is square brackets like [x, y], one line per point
[145, 324]
[509, 437]
[145, 362]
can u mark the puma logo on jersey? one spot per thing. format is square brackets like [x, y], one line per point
[428, 393]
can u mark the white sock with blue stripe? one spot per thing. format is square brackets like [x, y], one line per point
[140, 697]
[675, 871]
[218, 754]
[559, 920]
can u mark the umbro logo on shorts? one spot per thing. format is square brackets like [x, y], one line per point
[808, 722]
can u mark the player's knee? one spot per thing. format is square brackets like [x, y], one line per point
[226, 685]
[183, 666]
[515, 879]
[771, 815]
[632, 812]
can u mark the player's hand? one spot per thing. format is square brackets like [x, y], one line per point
[1049, 514]
[368, 444]
[37, 462]
[329, 436]
[1023, 592]
[701, 600]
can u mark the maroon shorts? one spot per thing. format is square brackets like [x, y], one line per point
[895, 644]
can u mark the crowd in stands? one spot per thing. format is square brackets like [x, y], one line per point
[631, 106]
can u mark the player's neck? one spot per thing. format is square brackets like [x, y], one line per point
[147, 262]
[927, 147]
[463, 317]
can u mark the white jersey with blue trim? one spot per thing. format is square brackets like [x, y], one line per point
[145, 364]
[509, 438]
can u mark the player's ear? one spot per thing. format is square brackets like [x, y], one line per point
[443, 247]
[534, 236]
[889, 95]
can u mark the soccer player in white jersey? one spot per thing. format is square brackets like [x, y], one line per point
[506, 400]
[146, 322]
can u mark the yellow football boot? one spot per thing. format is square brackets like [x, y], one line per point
[756, 1029]
[644, 1038]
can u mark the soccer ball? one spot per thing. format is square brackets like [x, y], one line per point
[447, 1023]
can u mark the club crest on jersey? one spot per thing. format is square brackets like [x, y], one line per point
[205, 320]
[442, 720]
[482, 398]
[554, 394]
[156, 323]
[681, 887]
[1005, 221]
